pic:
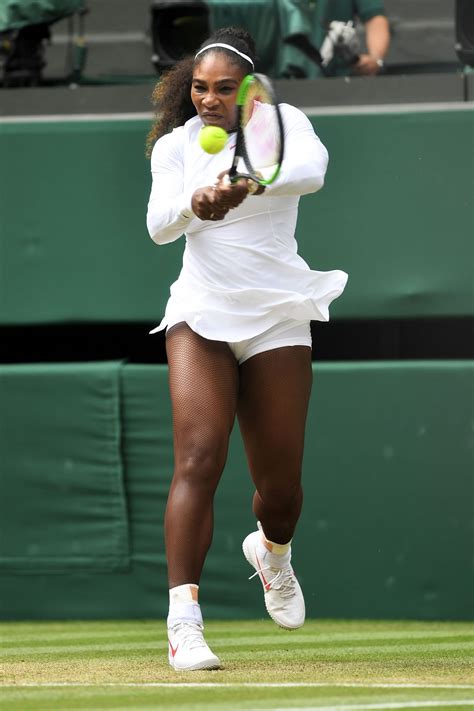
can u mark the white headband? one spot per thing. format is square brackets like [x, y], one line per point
[225, 46]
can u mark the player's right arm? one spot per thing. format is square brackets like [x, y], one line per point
[169, 207]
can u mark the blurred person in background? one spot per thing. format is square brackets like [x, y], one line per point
[377, 36]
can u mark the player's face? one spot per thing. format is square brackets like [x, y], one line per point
[216, 81]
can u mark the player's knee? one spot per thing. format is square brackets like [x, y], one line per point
[201, 463]
[281, 497]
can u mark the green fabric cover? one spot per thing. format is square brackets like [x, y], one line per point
[15, 14]
[387, 475]
[385, 530]
[62, 501]
[396, 213]
[148, 458]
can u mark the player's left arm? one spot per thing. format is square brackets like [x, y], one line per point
[305, 158]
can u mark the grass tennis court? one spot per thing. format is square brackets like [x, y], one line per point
[325, 665]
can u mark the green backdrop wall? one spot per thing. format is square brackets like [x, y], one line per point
[387, 523]
[397, 213]
[85, 448]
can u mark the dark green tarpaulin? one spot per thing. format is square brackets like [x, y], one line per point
[396, 213]
[15, 14]
[386, 525]
[62, 500]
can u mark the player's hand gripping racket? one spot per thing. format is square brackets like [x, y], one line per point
[260, 142]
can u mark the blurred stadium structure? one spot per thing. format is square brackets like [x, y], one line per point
[25, 31]
[127, 41]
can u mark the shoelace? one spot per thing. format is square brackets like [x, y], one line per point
[284, 576]
[189, 634]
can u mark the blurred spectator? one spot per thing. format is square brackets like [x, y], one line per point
[25, 30]
[377, 35]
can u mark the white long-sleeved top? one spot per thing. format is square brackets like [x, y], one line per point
[240, 275]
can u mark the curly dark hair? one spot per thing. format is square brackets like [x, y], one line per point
[171, 97]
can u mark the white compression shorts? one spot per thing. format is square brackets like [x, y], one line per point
[284, 333]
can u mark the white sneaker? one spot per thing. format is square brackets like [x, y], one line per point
[282, 592]
[188, 650]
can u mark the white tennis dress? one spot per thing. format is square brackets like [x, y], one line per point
[241, 275]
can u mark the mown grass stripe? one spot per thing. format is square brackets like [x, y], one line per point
[293, 640]
[320, 650]
[238, 685]
[302, 635]
[326, 663]
[366, 707]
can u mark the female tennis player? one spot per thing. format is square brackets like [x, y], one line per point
[237, 330]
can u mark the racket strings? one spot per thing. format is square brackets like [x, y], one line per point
[262, 130]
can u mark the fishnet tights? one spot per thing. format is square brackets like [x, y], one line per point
[274, 394]
[270, 393]
[203, 378]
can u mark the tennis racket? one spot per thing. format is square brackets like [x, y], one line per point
[260, 137]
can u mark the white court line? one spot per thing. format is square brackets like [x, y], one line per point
[363, 707]
[244, 684]
[309, 110]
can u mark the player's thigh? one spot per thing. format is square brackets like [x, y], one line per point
[275, 387]
[203, 381]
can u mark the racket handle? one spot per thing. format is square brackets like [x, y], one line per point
[233, 172]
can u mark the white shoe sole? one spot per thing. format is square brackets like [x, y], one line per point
[248, 555]
[205, 664]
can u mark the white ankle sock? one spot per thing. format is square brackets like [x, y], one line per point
[184, 604]
[277, 555]
[188, 592]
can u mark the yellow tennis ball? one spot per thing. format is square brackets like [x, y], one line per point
[212, 139]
